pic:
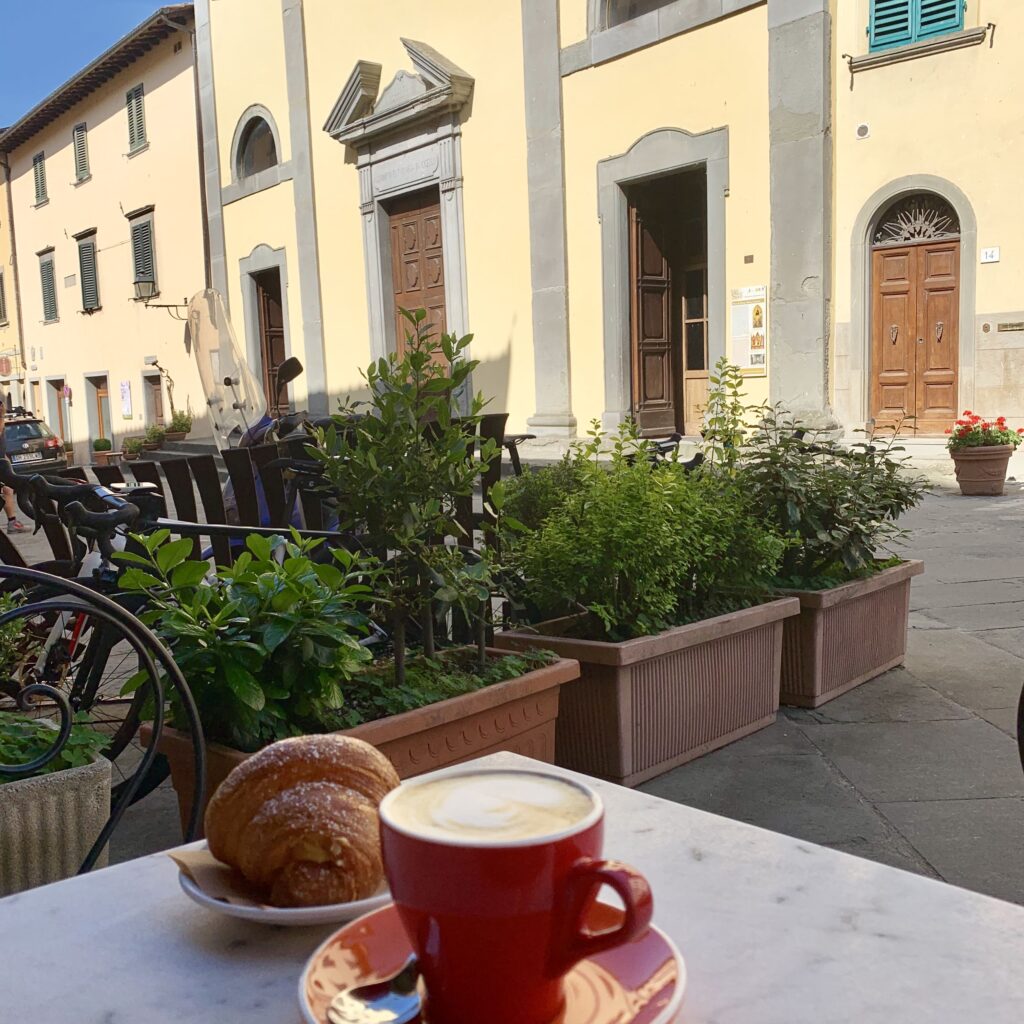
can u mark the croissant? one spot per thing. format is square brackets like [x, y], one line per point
[299, 820]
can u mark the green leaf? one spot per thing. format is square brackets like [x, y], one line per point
[189, 574]
[244, 686]
[174, 553]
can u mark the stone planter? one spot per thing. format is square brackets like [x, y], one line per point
[48, 824]
[105, 458]
[129, 456]
[517, 715]
[175, 435]
[644, 706]
[846, 636]
[982, 470]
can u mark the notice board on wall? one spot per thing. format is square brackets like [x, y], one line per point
[749, 325]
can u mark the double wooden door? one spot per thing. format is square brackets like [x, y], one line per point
[417, 262]
[915, 337]
[272, 344]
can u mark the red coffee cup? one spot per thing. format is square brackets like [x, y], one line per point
[497, 924]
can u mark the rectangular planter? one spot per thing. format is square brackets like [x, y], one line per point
[517, 715]
[846, 635]
[48, 824]
[647, 705]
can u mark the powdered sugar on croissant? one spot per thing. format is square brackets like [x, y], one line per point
[299, 820]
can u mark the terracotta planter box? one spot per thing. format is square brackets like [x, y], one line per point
[48, 824]
[982, 470]
[105, 458]
[846, 636]
[175, 435]
[517, 715]
[644, 706]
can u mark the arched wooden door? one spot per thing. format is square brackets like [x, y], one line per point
[915, 316]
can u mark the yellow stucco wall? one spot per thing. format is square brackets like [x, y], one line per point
[115, 340]
[9, 337]
[954, 115]
[712, 77]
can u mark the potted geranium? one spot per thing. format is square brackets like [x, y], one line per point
[49, 820]
[180, 425]
[981, 451]
[103, 452]
[837, 509]
[655, 580]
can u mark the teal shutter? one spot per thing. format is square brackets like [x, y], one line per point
[142, 251]
[81, 152]
[3, 299]
[49, 285]
[87, 271]
[136, 118]
[937, 17]
[39, 175]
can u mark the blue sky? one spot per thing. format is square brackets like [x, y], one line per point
[44, 42]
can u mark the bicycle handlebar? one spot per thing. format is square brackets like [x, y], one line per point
[101, 522]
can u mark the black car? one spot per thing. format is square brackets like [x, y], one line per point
[32, 446]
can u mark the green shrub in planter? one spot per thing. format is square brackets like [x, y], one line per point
[23, 739]
[133, 445]
[155, 434]
[181, 422]
[102, 444]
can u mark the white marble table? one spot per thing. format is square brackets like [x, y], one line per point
[774, 931]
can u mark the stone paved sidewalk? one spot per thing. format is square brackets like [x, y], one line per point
[919, 768]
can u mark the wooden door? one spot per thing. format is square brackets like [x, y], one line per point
[102, 408]
[915, 336]
[272, 347]
[155, 392]
[650, 317]
[37, 399]
[417, 262]
[58, 393]
[695, 346]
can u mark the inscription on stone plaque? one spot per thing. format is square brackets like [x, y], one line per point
[404, 170]
[1013, 325]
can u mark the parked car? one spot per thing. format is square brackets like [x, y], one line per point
[32, 446]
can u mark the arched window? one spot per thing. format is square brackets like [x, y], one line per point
[257, 149]
[920, 217]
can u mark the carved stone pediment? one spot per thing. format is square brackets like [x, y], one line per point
[437, 86]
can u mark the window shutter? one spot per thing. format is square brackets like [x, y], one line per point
[3, 300]
[142, 250]
[49, 288]
[81, 153]
[136, 118]
[87, 268]
[938, 17]
[39, 174]
[892, 23]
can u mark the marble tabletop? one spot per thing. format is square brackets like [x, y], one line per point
[773, 930]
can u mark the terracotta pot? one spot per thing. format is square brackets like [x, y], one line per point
[105, 458]
[846, 635]
[517, 715]
[48, 824]
[151, 446]
[175, 435]
[982, 470]
[129, 456]
[647, 705]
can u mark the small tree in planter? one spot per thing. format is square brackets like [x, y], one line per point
[39, 841]
[103, 451]
[132, 448]
[837, 507]
[679, 650]
[981, 451]
[154, 438]
[180, 425]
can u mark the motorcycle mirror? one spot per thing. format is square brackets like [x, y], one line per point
[288, 371]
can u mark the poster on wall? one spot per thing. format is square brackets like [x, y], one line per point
[126, 399]
[750, 330]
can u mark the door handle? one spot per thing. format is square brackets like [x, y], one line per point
[938, 330]
[894, 330]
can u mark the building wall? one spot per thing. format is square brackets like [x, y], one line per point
[712, 77]
[115, 340]
[953, 116]
[10, 348]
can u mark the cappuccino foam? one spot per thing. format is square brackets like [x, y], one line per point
[491, 807]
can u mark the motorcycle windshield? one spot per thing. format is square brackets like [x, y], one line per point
[234, 396]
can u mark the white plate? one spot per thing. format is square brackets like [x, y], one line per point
[298, 916]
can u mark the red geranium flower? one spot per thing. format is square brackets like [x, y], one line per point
[967, 412]
[948, 430]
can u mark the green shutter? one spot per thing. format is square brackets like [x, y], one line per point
[136, 118]
[81, 152]
[39, 174]
[87, 269]
[48, 281]
[937, 17]
[142, 250]
[3, 300]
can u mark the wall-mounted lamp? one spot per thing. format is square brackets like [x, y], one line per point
[145, 290]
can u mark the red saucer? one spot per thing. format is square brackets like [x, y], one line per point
[641, 982]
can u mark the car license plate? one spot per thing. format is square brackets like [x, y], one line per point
[28, 457]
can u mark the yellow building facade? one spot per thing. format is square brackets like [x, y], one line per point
[10, 331]
[105, 189]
